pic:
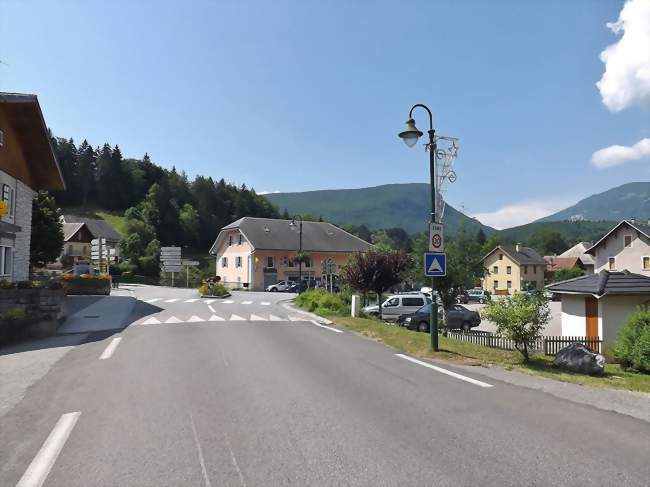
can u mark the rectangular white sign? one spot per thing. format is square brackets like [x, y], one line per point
[189, 262]
[172, 268]
[436, 237]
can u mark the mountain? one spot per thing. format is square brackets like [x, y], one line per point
[405, 206]
[631, 200]
[572, 231]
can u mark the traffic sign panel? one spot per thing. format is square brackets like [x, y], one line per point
[189, 262]
[435, 264]
[436, 237]
[172, 268]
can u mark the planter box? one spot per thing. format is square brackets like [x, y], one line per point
[44, 310]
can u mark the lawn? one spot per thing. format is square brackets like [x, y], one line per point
[455, 351]
[114, 219]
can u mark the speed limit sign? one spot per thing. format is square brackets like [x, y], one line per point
[436, 238]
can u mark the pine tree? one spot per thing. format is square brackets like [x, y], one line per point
[87, 169]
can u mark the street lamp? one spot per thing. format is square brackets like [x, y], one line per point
[410, 136]
[293, 224]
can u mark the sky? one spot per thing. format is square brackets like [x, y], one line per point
[550, 99]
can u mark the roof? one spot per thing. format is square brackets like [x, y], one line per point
[525, 255]
[643, 229]
[276, 234]
[578, 250]
[604, 283]
[70, 229]
[23, 113]
[557, 263]
[98, 228]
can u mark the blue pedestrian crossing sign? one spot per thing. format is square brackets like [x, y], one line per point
[435, 264]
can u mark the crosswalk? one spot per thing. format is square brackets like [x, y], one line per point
[206, 301]
[158, 320]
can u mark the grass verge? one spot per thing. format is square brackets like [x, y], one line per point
[455, 351]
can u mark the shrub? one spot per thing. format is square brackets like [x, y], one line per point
[321, 302]
[30, 284]
[218, 289]
[632, 348]
[13, 314]
[4, 284]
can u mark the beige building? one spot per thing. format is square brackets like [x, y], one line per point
[78, 233]
[624, 247]
[256, 252]
[511, 269]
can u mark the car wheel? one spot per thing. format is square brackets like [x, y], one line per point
[423, 326]
[274, 290]
[481, 301]
[466, 326]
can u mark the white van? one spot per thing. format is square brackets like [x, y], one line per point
[397, 305]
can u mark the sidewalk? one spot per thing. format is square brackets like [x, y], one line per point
[108, 313]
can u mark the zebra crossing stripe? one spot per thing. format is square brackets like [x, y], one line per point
[236, 318]
[275, 318]
[228, 301]
[152, 300]
[191, 300]
[173, 300]
[210, 301]
[265, 303]
[246, 302]
[173, 319]
[194, 319]
[151, 321]
[296, 318]
[257, 318]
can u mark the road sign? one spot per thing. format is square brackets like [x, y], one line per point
[189, 262]
[172, 261]
[435, 264]
[172, 268]
[436, 237]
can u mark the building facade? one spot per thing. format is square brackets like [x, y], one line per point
[509, 270]
[254, 253]
[624, 247]
[27, 164]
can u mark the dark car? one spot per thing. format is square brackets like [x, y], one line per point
[456, 316]
[462, 297]
[478, 295]
[296, 287]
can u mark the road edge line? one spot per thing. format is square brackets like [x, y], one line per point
[445, 371]
[108, 351]
[336, 330]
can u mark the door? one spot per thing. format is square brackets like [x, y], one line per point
[591, 317]
[270, 278]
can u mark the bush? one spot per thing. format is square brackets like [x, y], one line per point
[4, 284]
[30, 284]
[218, 289]
[13, 314]
[323, 303]
[632, 348]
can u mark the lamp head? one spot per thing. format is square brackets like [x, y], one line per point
[410, 134]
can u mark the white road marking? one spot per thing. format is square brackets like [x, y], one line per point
[191, 300]
[40, 467]
[246, 302]
[173, 300]
[210, 301]
[296, 318]
[444, 371]
[152, 300]
[234, 461]
[201, 459]
[236, 318]
[173, 319]
[275, 318]
[215, 318]
[265, 303]
[151, 321]
[326, 327]
[228, 301]
[108, 351]
[194, 319]
[211, 309]
[257, 318]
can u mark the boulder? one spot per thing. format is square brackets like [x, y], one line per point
[578, 358]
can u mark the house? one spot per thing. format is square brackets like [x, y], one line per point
[597, 305]
[624, 247]
[578, 250]
[27, 164]
[511, 269]
[79, 231]
[556, 263]
[257, 252]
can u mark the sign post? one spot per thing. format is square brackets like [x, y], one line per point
[171, 260]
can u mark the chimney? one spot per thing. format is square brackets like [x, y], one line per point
[517, 246]
[633, 220]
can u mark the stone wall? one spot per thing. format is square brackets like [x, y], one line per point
[24, 197]
[45, 309]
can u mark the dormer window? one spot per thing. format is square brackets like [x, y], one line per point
[229, 240]
[627, 241]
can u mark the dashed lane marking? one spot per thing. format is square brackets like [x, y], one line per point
[191, 300]
[173, 300]
[227, 301]
[246, 302]
[211, 309]
[152, 300]
[108, 351]
[265, 303]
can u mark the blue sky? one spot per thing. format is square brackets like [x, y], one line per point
[302, 95]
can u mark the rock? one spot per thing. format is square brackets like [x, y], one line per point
[578, 358]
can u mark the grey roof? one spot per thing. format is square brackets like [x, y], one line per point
[525, 255]
[604, 283]
[644, 229]
[578, 250]
[98, 228]
[69, 229]
[275, 234]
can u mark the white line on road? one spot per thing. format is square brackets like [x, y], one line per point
[173, 300]
[246, 302]
[236, 318]
[173, 319]
[444, 371]
[215, 318]
[258, 318]
[152, 300]
[40, 467]
[211, 309]
[234, 461]
[210, 301]
[275, 318]
[201, 459]
[194, 319]
[326, 327]
[265, 303]
[151, 321]
[108, 351]
[227, 301]
[191, 300]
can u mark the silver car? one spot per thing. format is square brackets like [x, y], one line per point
[397, 305]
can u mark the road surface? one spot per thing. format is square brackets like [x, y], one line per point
[244, 392]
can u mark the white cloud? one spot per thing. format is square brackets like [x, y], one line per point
[615, 155]
[626, 80]
[520, 213]
[268, 192]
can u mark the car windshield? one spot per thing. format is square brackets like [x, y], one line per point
[425, 309]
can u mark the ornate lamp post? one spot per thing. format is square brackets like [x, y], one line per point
[293, 224]
[410, 136]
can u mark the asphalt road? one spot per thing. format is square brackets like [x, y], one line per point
[264, 403]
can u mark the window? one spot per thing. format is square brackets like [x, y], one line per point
[238, 261]
[646, 263]
[496, 285]
[229, 240]
[240, 237]
[224, 262]
[627, 241]
[500, 256]
[307, 261]
[270, 261]
[509, 284]
[392, 302]
[534, 269]
[525, 269]
[611, 263]
[290, 262]
[412, 302]
[8, 197]
[495, 270]
[5, 260]
[508, 270]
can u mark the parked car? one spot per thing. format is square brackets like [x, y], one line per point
[478, 295]
[462, 297]
[279, 286]
[397, 305]
[455, 317]
[295, 287]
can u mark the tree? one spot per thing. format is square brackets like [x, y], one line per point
[86, 169]
[565, 274]
[519, 318]
[480, 237]
[47, 230]
[189, 219]
[548, 242]
[376, 271]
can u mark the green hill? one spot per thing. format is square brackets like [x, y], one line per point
[631, 200]
[404, 206]
[572, 231]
